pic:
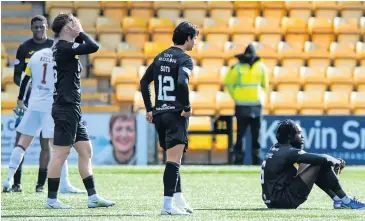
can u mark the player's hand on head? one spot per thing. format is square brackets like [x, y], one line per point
[149, 117]
[338, 168]
[186, 114]
[334, 162]
[20, 105]
[77, 25]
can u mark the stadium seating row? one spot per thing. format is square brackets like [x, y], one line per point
[198, 10]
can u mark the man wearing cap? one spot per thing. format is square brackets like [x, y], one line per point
[245, 82]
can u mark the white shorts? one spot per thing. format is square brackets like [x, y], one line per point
[33, 122]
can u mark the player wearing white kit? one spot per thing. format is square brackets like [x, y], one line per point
[38, 116]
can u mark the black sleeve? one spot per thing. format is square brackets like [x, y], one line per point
[19, 66]
[23, 86]
[183, 83]
[88, 47]
[145, 87]
[300, 156]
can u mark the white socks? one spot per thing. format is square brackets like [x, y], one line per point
[336, 198]
[93, 197]
[64, 181]
[179, 199]
[346, 200]
[15, 160]
[167, 202]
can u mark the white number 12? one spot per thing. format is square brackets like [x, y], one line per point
[166, 88]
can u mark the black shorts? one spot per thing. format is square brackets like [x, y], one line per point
[292, 196]
[69, 128]
[172, 129]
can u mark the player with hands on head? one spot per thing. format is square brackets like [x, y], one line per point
[170, 73]
[284, 186]
[69, 129]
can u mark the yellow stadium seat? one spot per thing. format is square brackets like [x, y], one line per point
[8, 100]
[110, 33]
[206, 75]
[362, 25]
[129, 55]
[161, 29]
[221, 142]
[299, 9]
[124, 75]
[286, 76]
[269, 30]
[100, 109]
[141, 9]
[216, 31]
[359, 76]
[138, 104]
[231, 49]
[194, 12]
[361, 87]
[12, 88]
[351, 9]
[135, 30]
[53, 8]
[242, 30]
[210, 54]
[7, 75]
[87, 12]
[101, 97]
[168, 10]
[313, 79]
[283, 103]
[321, 30]
[336, 103]
[115, 10]
[224, 104]
[358, 103]
[222, 74]
[340, 79]
[360, 52]
[103, 63]
[220, 10]
[265, 51]
[247, 9]
[291, 54]
[201, 104]
[151, 49]
[270, 63]
[243, 38]
[310, 103]
[325, 9]
[347, 30]
[208, 90]
[343, 54]
[126, 92]
[317, 54]
[273, 9]
[295, 30]
[200, 142]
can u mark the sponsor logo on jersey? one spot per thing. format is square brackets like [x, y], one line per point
[31, 52]
[75, 45]
[301, 152]
[165, 107]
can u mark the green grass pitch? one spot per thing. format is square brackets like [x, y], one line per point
[215, 192]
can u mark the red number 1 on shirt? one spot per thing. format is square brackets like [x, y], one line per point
[44, 73]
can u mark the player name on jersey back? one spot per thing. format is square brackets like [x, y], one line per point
[42, 75]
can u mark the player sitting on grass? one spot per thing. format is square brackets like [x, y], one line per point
[286, 187]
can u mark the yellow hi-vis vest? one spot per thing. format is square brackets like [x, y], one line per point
[246, 84]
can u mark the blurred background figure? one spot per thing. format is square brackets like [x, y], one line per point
[122, 130]
[245, 82]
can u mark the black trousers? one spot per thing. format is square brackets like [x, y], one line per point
[239, 150]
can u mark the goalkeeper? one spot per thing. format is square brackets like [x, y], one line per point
[286, 186]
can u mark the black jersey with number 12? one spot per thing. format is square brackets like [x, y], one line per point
[167, 69]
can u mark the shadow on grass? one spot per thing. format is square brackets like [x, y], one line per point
[64, 215]
[251, 209]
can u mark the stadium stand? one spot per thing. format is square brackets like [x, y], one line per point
[308, 47]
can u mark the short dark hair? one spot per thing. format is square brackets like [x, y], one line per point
[285, 129]
[183, 31]
[60, 21]
[38, 18]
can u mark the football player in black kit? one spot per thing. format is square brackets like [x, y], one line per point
[70, 130]
[170, 72]
[286, 187]
[24, 53]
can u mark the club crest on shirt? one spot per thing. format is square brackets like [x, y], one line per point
[31, 52]
[75, 45]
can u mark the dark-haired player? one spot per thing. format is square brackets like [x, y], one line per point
[25, 51]
[170, 72]
[286, 187]
[66, 111]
